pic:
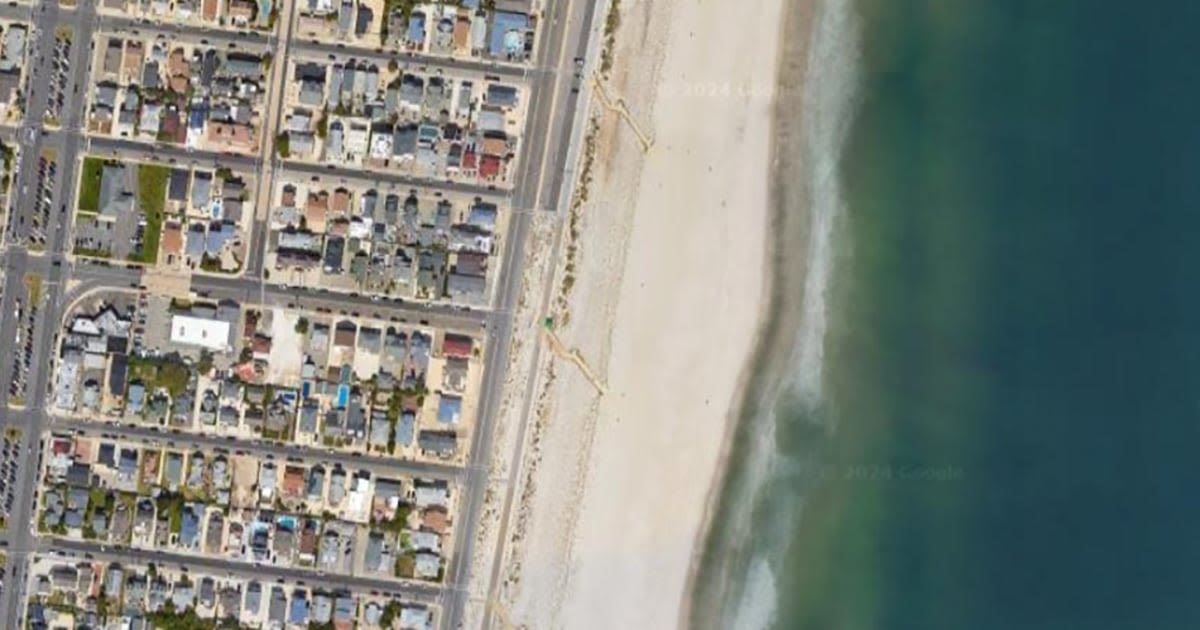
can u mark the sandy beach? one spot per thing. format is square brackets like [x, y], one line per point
[661, 292]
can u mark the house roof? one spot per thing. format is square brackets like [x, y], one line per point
[501, 95]
[449, 409]
[455, 345]
[235, 135]
[489, 166]
[344, 334]
[436, 519]
[293, 481]
[507, 33]
[201, 188]
[341, 201]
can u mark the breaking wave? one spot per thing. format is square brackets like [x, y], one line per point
[789, 419]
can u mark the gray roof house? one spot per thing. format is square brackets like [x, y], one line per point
[501, 95]
[243, 66]
[201, 189]
[253, 597]
[464, 288]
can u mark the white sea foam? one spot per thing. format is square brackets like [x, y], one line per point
[829, 93]
[756, 610]
[831, 77]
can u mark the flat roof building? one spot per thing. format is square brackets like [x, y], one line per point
[200, 332]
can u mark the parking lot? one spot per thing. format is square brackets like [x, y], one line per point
[10, 450]
[26, 313]
[47, 173]
[58, 80]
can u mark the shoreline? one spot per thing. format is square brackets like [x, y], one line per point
[761, 376]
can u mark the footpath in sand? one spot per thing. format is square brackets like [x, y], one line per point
[664, 287]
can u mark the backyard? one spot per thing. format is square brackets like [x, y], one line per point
[152, 196]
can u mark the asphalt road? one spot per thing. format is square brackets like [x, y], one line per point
[47, 20]
[379, 466]
[263, 572]
[172, 154]
[269, 166]
[375, 175]
[95, 274]
[312, 48]
[408, 60]
[552, 115]
[555, 189]
[252, 41]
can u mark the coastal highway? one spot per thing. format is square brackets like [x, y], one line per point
[554, 111]
[407, 590]
[381, 466]
[553, 189]
[40, 251]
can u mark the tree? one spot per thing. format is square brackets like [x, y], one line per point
[205, 364]
[283, 145]
[390, 612]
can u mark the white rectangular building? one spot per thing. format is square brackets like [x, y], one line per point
[212, 334]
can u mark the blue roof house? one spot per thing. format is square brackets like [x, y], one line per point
[508, 33]
[406, 428]
[416, 29]
[449, 409]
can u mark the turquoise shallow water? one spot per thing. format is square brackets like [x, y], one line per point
[1007, 430]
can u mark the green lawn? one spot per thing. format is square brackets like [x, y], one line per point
[89, 184]
[152, 197]
[93, 253]
[406, 565]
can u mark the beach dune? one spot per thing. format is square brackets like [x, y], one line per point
[669, 286]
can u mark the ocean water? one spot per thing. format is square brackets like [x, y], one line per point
[978, 405]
